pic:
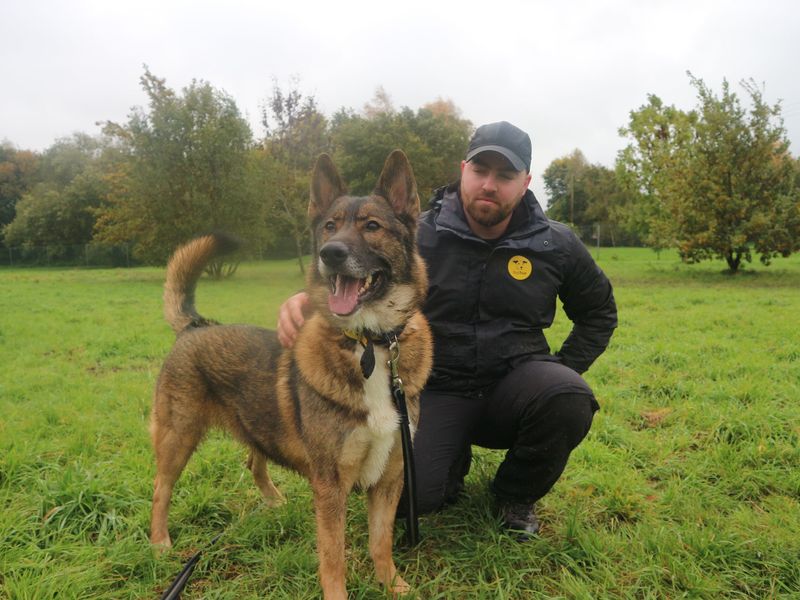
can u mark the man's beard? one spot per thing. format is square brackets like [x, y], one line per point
[487, 218]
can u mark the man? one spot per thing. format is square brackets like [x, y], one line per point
[496, 265]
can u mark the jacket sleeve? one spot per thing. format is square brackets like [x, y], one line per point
[589, 303]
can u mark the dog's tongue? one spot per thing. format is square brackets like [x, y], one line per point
[344, 298]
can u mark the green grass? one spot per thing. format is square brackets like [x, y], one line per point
[687, 486]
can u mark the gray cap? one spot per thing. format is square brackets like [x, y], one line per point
[504, 138]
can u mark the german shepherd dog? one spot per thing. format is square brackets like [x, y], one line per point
[313, 408]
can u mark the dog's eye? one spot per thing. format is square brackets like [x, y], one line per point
[330, 226]
[372, 226]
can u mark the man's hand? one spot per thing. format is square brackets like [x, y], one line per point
[291, 317]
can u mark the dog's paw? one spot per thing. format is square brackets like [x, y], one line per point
[275, 500]
[399, 587]
[272, 495]
[161, 546]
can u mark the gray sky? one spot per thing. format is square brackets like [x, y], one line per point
[567, 72]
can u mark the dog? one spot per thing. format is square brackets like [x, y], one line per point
[323, 407]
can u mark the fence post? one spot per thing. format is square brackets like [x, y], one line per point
[598, 242]
[10, 257]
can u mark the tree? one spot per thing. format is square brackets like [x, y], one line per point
[588, 197]
[18, 174]
[291, 146]
[717, 181]
[565, 181]
[57, 217]
[179, 169]
[434, 138]
[649, 170]
[740, 195]
[58, 211]
[381, 104]
[446, 132]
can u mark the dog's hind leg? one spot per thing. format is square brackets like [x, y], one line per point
[172, 451]
[257, 463]
[382, 499]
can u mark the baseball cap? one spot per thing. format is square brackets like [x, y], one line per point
[505, 138]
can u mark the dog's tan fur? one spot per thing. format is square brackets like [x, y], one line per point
[309, 408]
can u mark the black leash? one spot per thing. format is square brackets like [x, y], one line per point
[173, 592]
[399, 397]
[409, 475]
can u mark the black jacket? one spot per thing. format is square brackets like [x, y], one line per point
[489, 302]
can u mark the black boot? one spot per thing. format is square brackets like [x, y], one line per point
[520, 518]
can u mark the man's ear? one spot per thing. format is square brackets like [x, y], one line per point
[326, 186]
[397, 184]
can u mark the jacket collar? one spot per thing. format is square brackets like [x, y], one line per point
[528, 217]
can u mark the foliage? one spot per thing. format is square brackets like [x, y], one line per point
[686, 486]
[296, 133]
[179, 169]
[564, 181]
[715, 182]
[57, 217]
[186, 164]
[744, 196]
[18, 169]
[434, 138]
[651, 167]
[59, 211]
[589, 198]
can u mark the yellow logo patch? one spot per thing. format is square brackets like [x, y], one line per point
[519, 267]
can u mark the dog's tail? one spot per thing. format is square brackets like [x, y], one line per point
[183, 271]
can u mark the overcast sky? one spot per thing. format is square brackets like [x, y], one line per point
[567, 72]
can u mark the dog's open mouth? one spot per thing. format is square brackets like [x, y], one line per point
[347, 293]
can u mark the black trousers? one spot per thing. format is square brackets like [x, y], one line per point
[539, 413]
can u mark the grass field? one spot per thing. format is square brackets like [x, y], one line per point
[687, 486]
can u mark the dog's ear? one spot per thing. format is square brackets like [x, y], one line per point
[326, 186]
[398, 186]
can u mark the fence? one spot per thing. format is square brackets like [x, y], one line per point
[111, 255]
[83, 255]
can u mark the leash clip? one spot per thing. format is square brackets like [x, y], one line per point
[392, 363]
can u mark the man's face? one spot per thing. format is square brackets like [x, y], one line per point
[490, 190]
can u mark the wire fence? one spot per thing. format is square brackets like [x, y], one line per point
[111, 255]
[81, 255]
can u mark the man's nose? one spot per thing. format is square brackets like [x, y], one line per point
[489, 183]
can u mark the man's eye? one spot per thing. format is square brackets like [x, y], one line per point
[372, 226]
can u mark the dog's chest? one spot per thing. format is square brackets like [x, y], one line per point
[369, 446]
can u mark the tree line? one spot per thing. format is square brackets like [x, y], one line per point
[188, 162]
[715, 181]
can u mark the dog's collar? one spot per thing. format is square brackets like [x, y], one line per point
[364, 336]
[368, 339]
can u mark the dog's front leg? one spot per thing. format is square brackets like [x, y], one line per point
[330, 505]
[382, 501]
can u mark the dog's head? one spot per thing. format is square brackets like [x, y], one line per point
[367, 274]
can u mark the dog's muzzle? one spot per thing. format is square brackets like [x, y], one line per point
[334, 253]
[350, 286]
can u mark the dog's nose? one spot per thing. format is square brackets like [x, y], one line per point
[333, 254]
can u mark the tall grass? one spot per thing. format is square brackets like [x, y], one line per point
[688, 484]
